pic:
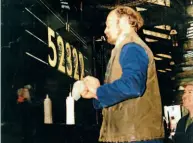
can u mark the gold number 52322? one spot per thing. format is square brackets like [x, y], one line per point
[69, 62]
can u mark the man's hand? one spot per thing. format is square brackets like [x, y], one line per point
[88, 95]
[92, 83]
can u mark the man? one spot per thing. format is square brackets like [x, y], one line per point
[130, 97]
[23, 95]
[25, 105]
[184, 130]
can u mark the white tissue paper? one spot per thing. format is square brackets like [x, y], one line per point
[78, 87]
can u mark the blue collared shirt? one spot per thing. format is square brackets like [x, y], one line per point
[134, 63]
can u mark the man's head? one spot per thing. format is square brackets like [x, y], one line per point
[187, 97]
[122, 19]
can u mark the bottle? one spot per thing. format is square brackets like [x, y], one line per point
[47, 110]
[70, 110]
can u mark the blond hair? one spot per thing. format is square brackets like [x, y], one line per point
[135, 19]
[190, 83]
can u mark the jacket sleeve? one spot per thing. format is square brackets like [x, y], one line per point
[132, 84]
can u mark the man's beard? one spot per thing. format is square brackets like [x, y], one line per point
[112, 40]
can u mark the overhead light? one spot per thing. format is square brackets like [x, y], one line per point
[164, 56]
[150, 40]
[173, 32]
[189, 54]
[181, 88]
[98, 40]
[172, 63]
[157, 59]
[156, 34]
[102, 38]
[140, 9]
[173, 78]
[160, 2]
[163, 71]
[164, 27]
[64, 4]
[167, 69]
[187, 68]
[190, 36]
[190, 29]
